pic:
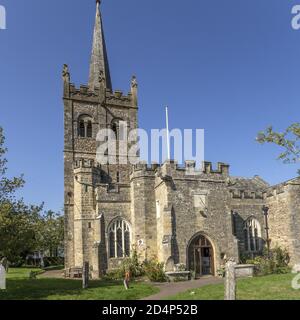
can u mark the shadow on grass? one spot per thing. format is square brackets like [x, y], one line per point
[63, 289]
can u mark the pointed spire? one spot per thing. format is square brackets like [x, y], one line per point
[99, 68]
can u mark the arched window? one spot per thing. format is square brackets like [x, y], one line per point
[119, 239]
[89, 130]
[81, 132]
[85, 127]
[114, 128]
[252, 235]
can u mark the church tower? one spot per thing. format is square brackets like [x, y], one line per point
[95, 194]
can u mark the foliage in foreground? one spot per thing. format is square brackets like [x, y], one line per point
[287, 140]
[276, 263]
[153, 270]
[23, 228]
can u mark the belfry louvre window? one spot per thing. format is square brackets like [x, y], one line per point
[252, 235]
[89, 131]
[81, 132]
[119, 239]
[85, 126]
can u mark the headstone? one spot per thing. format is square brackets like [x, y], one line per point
[170, 265]
[4, 262]
[85, 275]
[42, 262]
[2, 278]
[296, 268]
[230, 281]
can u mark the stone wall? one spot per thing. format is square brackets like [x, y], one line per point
[284, 217]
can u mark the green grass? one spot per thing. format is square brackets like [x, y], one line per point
[20, 287]
[273, 287]
[21, 273]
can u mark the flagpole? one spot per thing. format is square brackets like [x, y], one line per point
[168, 134]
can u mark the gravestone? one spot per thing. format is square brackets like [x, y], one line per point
[85, 275]
[230, 280]
[170, 265]
[2, 278]
[5, 263]
[296, 268]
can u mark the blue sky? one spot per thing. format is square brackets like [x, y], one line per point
[230, 67]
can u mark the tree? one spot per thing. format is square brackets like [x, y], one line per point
[50, 232]
[18, 221]
[18, 224]
[289, 140]
[7, 186]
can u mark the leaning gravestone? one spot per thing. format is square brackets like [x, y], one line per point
[2, 278]
[230, 280]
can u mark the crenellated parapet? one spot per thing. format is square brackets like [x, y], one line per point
[142, 169]
[246, 194]
[281, 188]
[264, 193]
[171, 167]
[222, 168]
[87, 167]
[115, 98]
[84, 163]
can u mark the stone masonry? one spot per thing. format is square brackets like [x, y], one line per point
[162, 211]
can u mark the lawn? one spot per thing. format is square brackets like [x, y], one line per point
[20, 287]
[273, 287]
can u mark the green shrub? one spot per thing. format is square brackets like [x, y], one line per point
[129, 264]
[277, 262]
[115, 274]
[154, 270]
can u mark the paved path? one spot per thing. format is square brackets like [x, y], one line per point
[172, 288]
[52, 274]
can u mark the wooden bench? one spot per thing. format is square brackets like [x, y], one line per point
[73, 272]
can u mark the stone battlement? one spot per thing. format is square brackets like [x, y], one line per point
[190, 165]
[84, 163]
[246, 194]
[112, 97]
[143, 166]
[280, 188]
[222, 168]
[269, 192]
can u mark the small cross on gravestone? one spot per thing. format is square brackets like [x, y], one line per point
[2, 277]
[85, 275]
[230, 280]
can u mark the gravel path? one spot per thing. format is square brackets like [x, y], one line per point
[172, 288]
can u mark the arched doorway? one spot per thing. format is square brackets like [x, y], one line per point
[201, 256]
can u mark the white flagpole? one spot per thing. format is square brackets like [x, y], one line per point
[168, 134]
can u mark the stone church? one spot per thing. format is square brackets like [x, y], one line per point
[159, 210]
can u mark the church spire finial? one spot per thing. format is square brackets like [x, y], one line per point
[99, 62]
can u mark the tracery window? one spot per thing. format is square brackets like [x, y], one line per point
[252, 235]
[119, 239]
